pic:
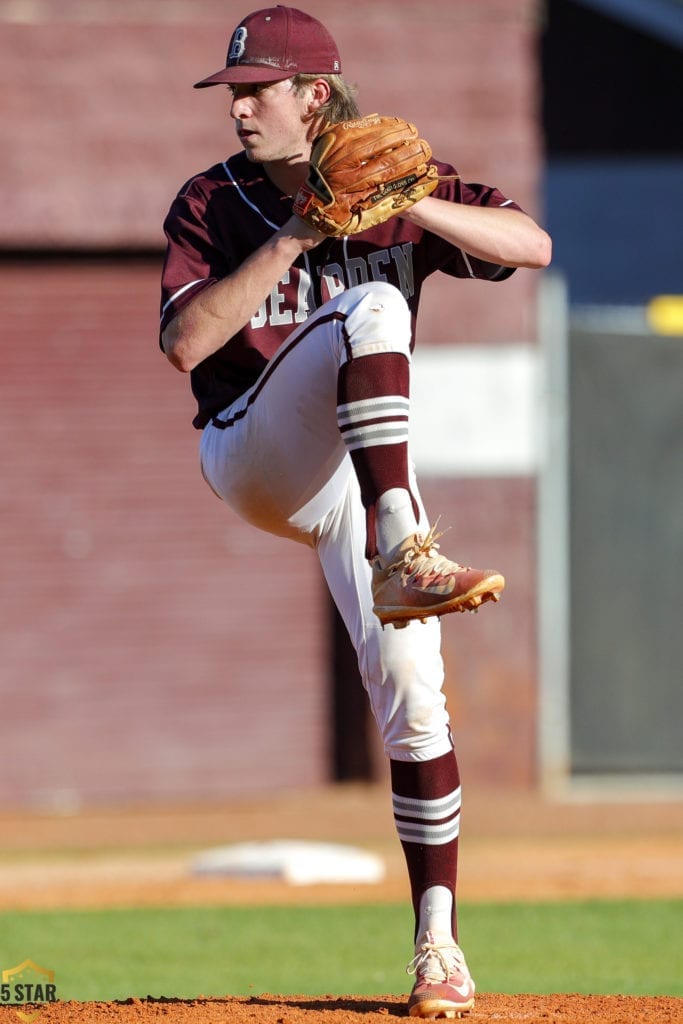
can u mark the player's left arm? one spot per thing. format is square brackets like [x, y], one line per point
[495, 234]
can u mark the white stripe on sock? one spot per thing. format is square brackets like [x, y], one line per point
[442, 807]
[370, 408]
[419, 830]
[428, 835]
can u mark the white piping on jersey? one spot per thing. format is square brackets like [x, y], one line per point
[180, 291]
[310, 278]
[467, 262]
[276, 227]
[253, 207]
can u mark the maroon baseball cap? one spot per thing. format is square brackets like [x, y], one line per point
[274, 44]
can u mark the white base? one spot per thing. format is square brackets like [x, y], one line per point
[294, 861]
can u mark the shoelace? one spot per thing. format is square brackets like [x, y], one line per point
[425, 547]
[439, 960]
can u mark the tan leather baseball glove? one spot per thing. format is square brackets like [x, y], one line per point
[363, 172]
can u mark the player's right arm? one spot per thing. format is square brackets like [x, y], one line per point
[219, 311]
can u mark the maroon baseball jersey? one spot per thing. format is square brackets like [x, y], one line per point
[222, 215]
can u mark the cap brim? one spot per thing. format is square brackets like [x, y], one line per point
[245, 73]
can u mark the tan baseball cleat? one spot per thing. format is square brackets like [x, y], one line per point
[443, 984]
[420, 583]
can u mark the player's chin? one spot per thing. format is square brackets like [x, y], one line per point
[248, 144]
[257, 154]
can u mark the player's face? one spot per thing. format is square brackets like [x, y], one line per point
[269, 120]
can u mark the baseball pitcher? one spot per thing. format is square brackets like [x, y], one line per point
[290, 291]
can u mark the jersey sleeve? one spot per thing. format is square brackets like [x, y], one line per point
[194, 260]
[456, 262]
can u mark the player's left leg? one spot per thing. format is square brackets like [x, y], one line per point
[410, 578]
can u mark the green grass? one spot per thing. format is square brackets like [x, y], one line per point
[626, 947]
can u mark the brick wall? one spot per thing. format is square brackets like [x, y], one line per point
[149, 647]
[104, 127]
[155, 646]
[136, 663]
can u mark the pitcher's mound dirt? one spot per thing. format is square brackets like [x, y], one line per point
[272, 1009]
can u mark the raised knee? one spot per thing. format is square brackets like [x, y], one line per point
[379, 321]
[384, 289]
[380, 297]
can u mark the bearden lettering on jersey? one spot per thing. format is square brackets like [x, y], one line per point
[274, 310]
[393, 265]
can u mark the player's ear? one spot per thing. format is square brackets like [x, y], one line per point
[319, 95]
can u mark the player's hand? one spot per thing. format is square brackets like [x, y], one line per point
[304, 233]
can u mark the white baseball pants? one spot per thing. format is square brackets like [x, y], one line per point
[281, 465]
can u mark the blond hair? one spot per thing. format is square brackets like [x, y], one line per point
[341, 105]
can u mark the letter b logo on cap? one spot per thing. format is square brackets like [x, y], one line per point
[237, 45]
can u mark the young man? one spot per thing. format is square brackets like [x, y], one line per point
[299, 350]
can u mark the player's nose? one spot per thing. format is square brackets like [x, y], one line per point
[239, 108]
